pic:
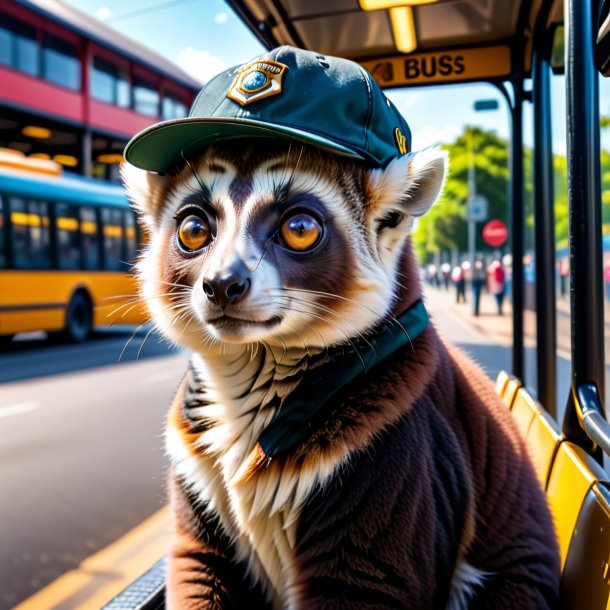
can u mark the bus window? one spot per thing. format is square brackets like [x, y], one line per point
[113, 239]
[90, 238]
[68, 237]
[3, 253]
[31, 234]
[130, 238]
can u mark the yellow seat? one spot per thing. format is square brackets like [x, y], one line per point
[501, 381]
[543, 439]
[506, 387]
[585, 579]
[524, 409]
[573, 474]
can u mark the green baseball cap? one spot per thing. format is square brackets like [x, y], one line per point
[329, 102]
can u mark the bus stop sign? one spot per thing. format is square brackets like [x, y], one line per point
[495, 233]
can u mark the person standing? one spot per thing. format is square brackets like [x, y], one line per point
[478, 280]
[459, 279]
[496, 281]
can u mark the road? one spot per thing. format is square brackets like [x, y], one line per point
[81, 457]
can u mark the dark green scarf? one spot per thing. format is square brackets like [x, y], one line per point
[319, 386]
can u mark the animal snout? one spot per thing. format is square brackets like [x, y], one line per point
[227, 288]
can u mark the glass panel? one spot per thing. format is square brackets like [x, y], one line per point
[180, 110]
[173, 108]
[68, 237]
[112, 221]
[26, 52]
[103, 81]
[3, 253]
[61, 64]
[168, 108]
[130, 238]
[145, 99]
[6, 43]
[90, 237]
[18, 45]
[123, 92]
[31, 235]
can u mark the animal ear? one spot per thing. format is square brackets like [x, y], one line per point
[146, 190]
[408, 186]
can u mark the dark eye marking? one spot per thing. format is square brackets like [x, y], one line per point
[389, 221]
[216, 168]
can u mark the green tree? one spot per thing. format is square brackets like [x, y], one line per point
[444, 227]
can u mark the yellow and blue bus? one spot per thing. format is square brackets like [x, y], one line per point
[66, 249]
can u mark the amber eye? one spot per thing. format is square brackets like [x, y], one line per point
[193, 233]
[301, 232]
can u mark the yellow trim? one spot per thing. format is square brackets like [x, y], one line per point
[401, 141]
[403, 29]
[376, 5]
[100, 577]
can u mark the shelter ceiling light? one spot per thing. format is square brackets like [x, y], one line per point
[34, 131]
[110, 158]
[67, 160]
[376, 5]
[403, 29]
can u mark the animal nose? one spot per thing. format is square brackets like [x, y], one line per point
[227, 289]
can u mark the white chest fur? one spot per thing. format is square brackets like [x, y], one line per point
[240, 396]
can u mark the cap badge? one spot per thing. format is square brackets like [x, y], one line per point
[401, 141]
[257, 80]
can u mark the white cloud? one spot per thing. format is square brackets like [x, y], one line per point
[429, 136]
[201, 65]
[103, 13]
[220, 18]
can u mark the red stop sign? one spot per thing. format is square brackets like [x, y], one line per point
[495, 233]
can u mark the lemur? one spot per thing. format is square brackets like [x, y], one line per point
[328, 449]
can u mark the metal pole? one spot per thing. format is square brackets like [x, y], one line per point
[584, 199]
[516, 203]
[546, 316]
[472, 187]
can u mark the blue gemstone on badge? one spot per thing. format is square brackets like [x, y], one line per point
[254, 80]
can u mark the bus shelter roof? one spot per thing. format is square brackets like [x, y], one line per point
[410, 42]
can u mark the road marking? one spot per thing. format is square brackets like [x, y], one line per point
[18, 409]
[106, 573]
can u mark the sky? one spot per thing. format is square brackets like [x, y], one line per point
[204, 36]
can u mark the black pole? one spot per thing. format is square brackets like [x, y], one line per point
[516, 202]
[584, 199]
[546, 315]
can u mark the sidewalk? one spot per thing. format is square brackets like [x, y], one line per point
[500, 328]
[488, 322]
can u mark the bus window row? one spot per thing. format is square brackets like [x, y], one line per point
[24, 48]
[38, 235]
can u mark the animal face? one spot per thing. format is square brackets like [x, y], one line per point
[280, 243]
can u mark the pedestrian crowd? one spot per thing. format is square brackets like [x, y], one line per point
[492, 278]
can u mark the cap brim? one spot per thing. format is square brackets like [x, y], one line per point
[160, 147]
